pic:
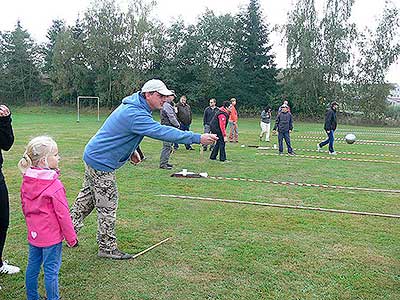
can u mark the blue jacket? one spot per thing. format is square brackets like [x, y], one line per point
[123, 131]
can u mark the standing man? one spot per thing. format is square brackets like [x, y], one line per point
[218, 126]
[6, 141]
[233, 123]
[284, 124]
[184, 114]
[167, 118]
[209, 114]
[111, 147]
[330, 127]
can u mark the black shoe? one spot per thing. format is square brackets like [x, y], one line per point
[169, 165]
[292, 153]
[166, 167]
[190, 148]
[280, 153]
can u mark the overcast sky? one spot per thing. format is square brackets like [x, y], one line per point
[36, 16]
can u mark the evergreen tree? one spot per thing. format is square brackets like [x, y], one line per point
[20, 66]
[253, 76]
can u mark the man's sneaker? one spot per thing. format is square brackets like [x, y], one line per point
[332, 153]
[8, 269]
[280, 153]
[319, 148]
[115, 254]
[292, 153]
[169, 165]
[166, 167]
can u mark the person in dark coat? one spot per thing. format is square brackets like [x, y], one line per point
[284, 124]
[6, 141]
[208, 115]
[330, 127]
[184, 114]
[218, 126]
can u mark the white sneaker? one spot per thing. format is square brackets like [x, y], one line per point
[8, 269]
[318, 148]
[332, 153]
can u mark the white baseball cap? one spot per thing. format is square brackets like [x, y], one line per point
[156, 85]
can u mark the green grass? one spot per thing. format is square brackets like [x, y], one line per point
[223, 251]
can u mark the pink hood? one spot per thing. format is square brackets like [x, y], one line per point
[45, 208]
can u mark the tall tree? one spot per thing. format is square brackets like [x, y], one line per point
[304, 77]
[254, 70]
[20, 66]
[338, 34]
[378, 49]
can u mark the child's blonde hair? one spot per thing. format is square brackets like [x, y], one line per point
[38, 148]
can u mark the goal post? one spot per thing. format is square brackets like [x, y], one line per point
[90, 98]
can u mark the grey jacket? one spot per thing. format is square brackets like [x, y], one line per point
[168, 116]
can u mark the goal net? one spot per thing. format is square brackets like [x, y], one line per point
[95, 99]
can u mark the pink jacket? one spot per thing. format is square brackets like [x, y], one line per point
[45, 208]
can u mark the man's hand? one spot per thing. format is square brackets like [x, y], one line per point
[273, 132]
[135, 158]
[290, 131]
[328, 131]
[208, 138]
[225, 139]
[4, 111]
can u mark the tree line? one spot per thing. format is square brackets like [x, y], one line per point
[110, 52]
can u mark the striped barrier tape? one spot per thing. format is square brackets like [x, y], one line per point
[339, 187]
[339, 152]
[354, 132]
[319, 209]
[343, 142]
[340, 158]
[343, 139]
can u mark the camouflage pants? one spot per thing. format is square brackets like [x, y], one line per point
[99, 190]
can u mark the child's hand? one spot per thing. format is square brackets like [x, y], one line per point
[74, 245]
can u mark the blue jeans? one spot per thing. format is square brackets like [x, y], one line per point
[184, 128]
[329, 141]
[51, 259]
[284, 135]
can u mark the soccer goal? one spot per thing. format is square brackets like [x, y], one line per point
[78, 100]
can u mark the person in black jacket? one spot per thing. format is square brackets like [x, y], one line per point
[184, 115]
[209, 113]
[330, 127]
[6, 141]
[284, 124]
[218, 126]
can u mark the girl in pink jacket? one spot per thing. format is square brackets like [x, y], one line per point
[45, 207]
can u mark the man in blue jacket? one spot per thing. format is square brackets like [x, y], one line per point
[111, 147]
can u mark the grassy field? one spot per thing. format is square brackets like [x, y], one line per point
[221, 250]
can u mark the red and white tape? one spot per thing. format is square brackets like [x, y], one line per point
[338, 187]
[343, 139]
[342, 142]
[354, 132]
[319, 209]
[338, 158]
[338, 152]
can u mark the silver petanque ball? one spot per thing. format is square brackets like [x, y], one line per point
[350, 138]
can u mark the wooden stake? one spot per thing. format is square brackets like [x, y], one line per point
[152, 247]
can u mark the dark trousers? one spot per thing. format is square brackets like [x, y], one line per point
[219, 146]
[329, 141]
[284, 135]
[4, 215]
[184, 128]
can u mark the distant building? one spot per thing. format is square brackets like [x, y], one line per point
[394, 95]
